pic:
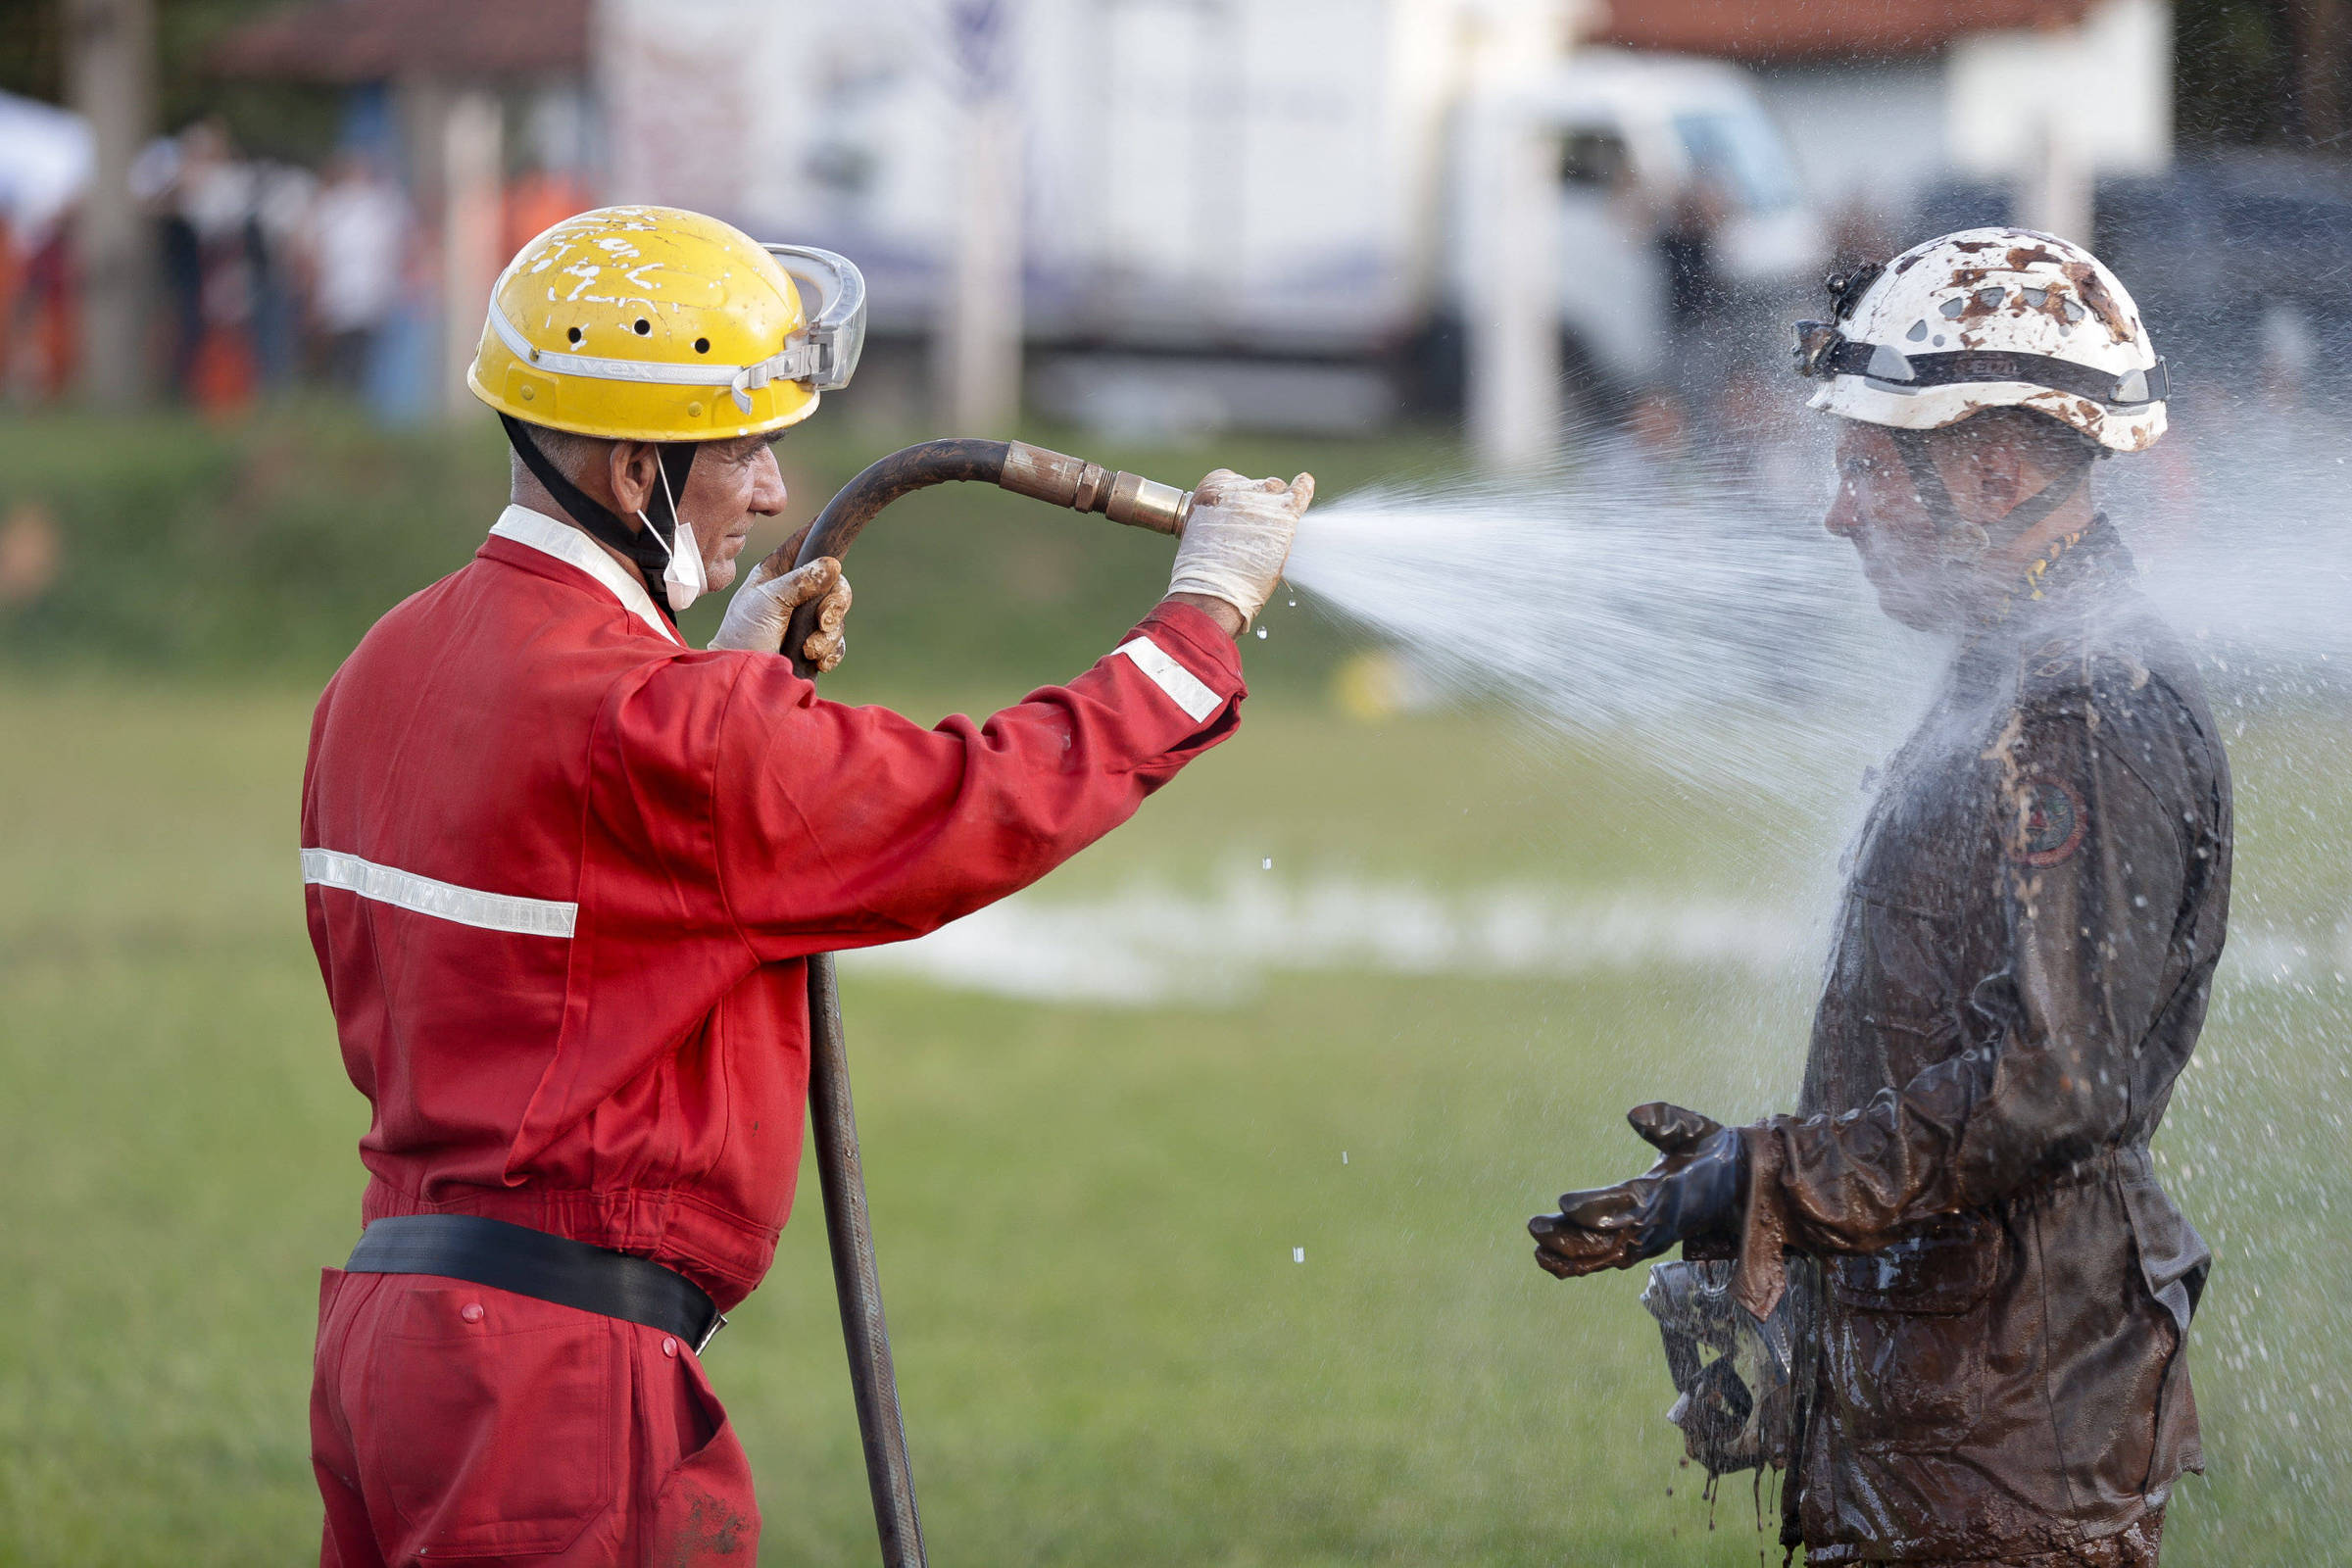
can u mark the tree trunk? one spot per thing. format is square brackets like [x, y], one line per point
[2320, 72]
[110, 81]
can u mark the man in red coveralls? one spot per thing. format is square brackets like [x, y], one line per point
[563, 875]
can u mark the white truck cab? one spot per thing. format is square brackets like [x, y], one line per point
[1643, 136]
[1256, 213]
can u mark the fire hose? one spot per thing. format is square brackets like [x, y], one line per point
[1062, 481]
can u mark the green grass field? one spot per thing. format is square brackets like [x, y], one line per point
[1087, 1213]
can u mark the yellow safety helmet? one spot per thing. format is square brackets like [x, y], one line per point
[650, 323]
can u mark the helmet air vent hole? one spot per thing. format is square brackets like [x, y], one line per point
[701, 345]
[1918, 332]
[573, 335]
[1988, 297]
[644, 327]
[1951, 309]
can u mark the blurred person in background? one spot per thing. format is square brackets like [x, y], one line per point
[15, 272]
[213, 258]
[565, 873]
[1700, 327]
[46, 335]
[1660, 430]
[537, 200]
[45, 158]
[1859, 231]
[284, 197]
[1949, 1293]
[1687, 239]
[360, 236]
[1759, 448]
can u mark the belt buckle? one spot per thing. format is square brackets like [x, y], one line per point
[718, 1320]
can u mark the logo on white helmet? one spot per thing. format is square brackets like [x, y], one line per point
[1989, 318]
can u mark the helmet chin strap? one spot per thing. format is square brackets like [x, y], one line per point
[1927, 483]
[650, 547]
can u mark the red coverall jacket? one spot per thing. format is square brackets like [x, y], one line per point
[563, 876]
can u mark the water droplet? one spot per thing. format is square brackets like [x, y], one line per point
[1261, 634]
[1266, 864]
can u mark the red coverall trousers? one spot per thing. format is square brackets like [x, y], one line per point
[454, 1422]
[563, 876]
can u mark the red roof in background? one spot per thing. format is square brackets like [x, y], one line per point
[378, 40]
[1811, 29]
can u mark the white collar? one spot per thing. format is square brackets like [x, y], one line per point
[573, 547]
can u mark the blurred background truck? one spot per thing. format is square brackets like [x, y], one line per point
[1160, 216]
[1262, 214]
[1678, 198]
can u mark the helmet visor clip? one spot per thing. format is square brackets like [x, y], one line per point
[1846, 288]
[1816, 342]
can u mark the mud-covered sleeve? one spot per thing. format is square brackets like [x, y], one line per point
[2092, 831]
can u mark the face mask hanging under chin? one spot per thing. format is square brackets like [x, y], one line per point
[684, 579]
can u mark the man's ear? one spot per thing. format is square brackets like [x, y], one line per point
[633, 469]
[2012, 476]
[1992, 469]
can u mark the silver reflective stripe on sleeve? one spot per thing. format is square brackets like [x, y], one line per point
[492, 911]
[1180, 683]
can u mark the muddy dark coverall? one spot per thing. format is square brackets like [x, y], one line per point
[1989, 1285]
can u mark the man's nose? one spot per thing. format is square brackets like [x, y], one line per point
[1844, 516]
[767, 490]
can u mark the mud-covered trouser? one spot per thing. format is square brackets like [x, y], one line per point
[454, 1421]
[2134, 1546]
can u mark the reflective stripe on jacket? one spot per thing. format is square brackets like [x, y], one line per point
[563, 875]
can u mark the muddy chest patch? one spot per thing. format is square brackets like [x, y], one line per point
[2051, 820]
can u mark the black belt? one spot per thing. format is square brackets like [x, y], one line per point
[547, 1268]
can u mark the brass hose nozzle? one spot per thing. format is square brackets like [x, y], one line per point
[1061, 481]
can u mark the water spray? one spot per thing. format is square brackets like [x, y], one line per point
[1059, 480]
[1692, 604]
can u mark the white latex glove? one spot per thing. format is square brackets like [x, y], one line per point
[1237, 537]
[760, 612]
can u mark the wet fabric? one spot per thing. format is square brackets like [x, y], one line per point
[1992, 1286]
[2135, 1546]
[1730, 1369]
[452, 1422]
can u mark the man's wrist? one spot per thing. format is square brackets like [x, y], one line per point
[1228, 618]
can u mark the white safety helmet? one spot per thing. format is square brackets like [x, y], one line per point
[1985, 318]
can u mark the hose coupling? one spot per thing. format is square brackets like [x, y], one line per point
[1061, 481]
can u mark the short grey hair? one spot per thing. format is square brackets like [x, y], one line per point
[573, 455]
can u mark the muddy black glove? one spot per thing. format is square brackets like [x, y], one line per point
[1698, 1189]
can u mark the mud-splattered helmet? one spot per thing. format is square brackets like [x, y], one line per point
[1983, 319]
